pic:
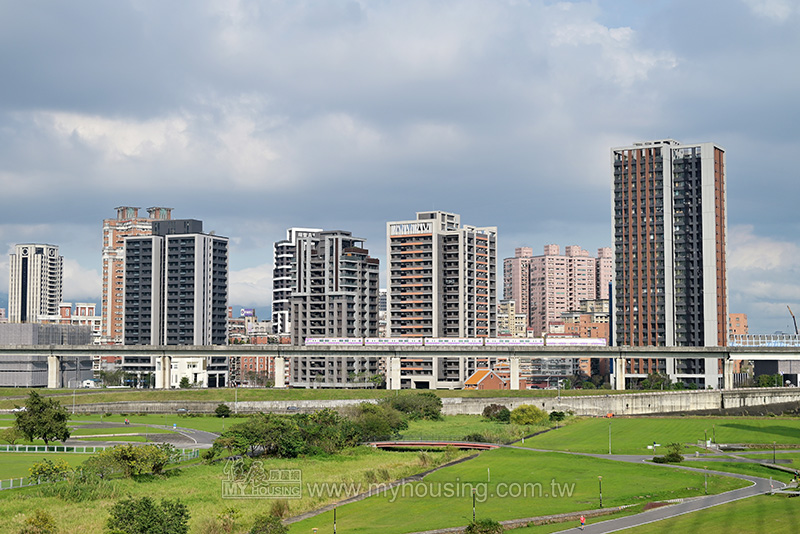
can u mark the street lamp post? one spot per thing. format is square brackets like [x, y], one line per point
[609, 437]
[473, 505]
[773, 453]
[705, 477]
[600, 481]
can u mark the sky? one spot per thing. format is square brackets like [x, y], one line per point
[258, 116]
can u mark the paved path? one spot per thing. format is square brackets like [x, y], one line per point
[182, 438]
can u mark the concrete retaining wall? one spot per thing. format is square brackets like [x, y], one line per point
[738, 401]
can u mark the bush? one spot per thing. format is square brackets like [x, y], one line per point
[40, 522]
[528, 415]
[484, 526]
[145, 516]
[425, 405]
[223, 411]
[48, 471]
[497, 412]
[476, 437]
[268, 524]
[375, 422]
[556, 417]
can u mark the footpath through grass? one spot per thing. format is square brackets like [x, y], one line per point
[633, 435]
[511, 484]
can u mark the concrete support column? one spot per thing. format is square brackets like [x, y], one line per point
[514, 365]
[619, 373]
[727, 374]
[280, 372]
[393, 372]
[163, 371]
[53, 371]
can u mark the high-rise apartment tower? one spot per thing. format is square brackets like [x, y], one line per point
[442, 278]
[283, 277]
[128, 223]
[34, 282]
[670, 229]
[176, 286]
[335, 291]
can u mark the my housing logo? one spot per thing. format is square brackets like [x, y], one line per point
[255, 482]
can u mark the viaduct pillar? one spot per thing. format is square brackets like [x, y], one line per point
[280, 372]
[53, 371]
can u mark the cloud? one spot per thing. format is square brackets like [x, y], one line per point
[251, 286]
[777, 10]
[80, 283]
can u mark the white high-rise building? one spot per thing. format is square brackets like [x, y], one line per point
[283, 277]
[34, 284]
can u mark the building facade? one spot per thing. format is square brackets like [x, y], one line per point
[670, 225]
[516, 279]
[335, 287]
[442, 278]
[127, 223]
[176, 292]
[558, 283]
[34, 282]
[283, 277]
[510, 321]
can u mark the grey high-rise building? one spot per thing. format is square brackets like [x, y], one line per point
[176, 286]
[335, 287]
[283, 277]
[34, 282]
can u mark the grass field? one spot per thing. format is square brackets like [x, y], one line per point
[633, 435]
[16, 464]
[515, 484]
[758, 515]
[199, 487]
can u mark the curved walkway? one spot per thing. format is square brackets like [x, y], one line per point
[178, 436]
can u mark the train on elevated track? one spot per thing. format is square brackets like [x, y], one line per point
[455, 342]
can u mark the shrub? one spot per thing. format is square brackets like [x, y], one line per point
[425, 405]
[280, 508]
[497, 412]
[526, 414]
[145, 516]
[484, 526]
[48, 471]
[377, 421]
[557, 416]
[268, 524]
[223, 411]
[476, 437]
[40, 522]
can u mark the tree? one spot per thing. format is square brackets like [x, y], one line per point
[184, 383]
[11, 435]
[497, 412]
[526, 414]
[43, 419]
[425, 405]
[223, 410]
[268, 524]
[145, 516]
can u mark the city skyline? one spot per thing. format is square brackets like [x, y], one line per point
[346, 116]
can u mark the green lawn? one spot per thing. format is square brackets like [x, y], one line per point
[457, 427]
[633, 435]
[16, 464]
[756, 515]
[200, 488]
[512, 484]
